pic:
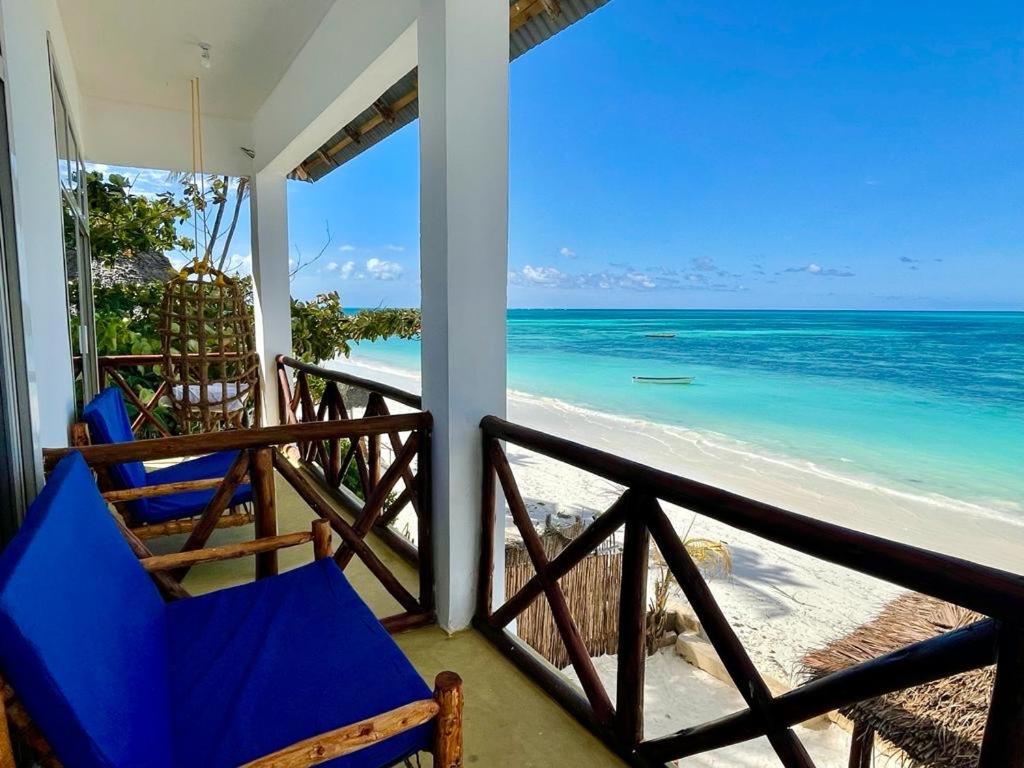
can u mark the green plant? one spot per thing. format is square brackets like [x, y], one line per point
[122, 223]
[321, 330]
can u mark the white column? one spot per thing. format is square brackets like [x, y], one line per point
[463, 103]
[268, 205]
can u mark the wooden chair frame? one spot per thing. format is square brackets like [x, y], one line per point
[445, 707]
[228, 517]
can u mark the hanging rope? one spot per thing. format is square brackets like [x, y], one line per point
[210, 364]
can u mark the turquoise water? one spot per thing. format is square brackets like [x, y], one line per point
[927, 402]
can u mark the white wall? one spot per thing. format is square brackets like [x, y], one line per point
[360, 49]
[37, 204]
[140, 136]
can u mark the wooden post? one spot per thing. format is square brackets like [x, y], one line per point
[485, 572]
[629, 710]
[6, 750]
[448, 733]
[321, 539]
[1003, 744]
[862, 745]
[78, 434]
[425, 520]
[261, 472]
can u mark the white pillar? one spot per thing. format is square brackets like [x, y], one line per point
[463, 104]
[268, 204]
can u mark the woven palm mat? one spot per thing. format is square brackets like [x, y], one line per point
[938, 725]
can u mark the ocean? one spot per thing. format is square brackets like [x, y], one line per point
[927, 403]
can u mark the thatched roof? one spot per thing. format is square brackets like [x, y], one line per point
[938, 725]
[136, 269]
[531, 22]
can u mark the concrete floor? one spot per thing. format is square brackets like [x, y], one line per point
[509, 721]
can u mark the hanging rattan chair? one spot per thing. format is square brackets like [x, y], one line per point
[210, 364]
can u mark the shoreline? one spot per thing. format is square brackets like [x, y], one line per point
[781, 603]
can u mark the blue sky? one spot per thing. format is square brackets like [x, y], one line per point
[667, 153]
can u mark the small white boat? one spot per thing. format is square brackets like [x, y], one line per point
[663, 379]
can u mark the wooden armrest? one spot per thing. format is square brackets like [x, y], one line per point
[349, 738]
[320, 535]
[161, 489]
[446, 706]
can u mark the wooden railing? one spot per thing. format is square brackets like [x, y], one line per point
[259, 455]
[112, 369]
[319, 395]
[996, 594]
[116, 370]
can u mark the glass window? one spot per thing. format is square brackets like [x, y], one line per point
[77, 255]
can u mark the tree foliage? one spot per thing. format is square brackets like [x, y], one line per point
[321, 330]
[123, 223]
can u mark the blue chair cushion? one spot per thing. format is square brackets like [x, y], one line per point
[188, 503]
[258, 667]
[108, 423]
[83, 630]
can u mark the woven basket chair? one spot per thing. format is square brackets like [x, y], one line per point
[210, 362]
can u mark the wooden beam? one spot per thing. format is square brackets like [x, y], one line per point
[261, 474]
[734, 656]
[632, 655]
[215, 507]
[567, 629]
[238, 439]
[923, 662]
[161, 489]
[1003, 743]
[983, 589]
[349, 738]
[177, 560]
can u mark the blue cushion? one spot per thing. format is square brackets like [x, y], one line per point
[108, 423]
[258, 667]
[188, 503]
[83, 630]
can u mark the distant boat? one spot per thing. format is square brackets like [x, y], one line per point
[660, 335]
[663, 379]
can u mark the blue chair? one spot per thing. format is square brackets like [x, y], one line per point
[108, 422]
[112, 676]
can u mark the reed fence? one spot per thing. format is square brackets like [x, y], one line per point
[591, 591]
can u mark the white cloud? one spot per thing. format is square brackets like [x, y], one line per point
[331, 266]
[552, 277]
[622, 276]
[346, 248]
[382, 269]
[394, 248]
[819, 271]
[568, 252]
[346, 269]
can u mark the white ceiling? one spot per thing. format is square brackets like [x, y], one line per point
[145, 51]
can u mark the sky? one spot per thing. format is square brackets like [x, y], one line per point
[667, 153]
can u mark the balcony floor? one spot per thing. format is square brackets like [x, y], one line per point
[509, 721]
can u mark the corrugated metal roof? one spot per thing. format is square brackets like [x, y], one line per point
[531, 21]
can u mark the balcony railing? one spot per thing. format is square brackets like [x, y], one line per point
[993, 593]
[139, 379]
[389, 471]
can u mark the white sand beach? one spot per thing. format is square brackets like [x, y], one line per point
[781, 603]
